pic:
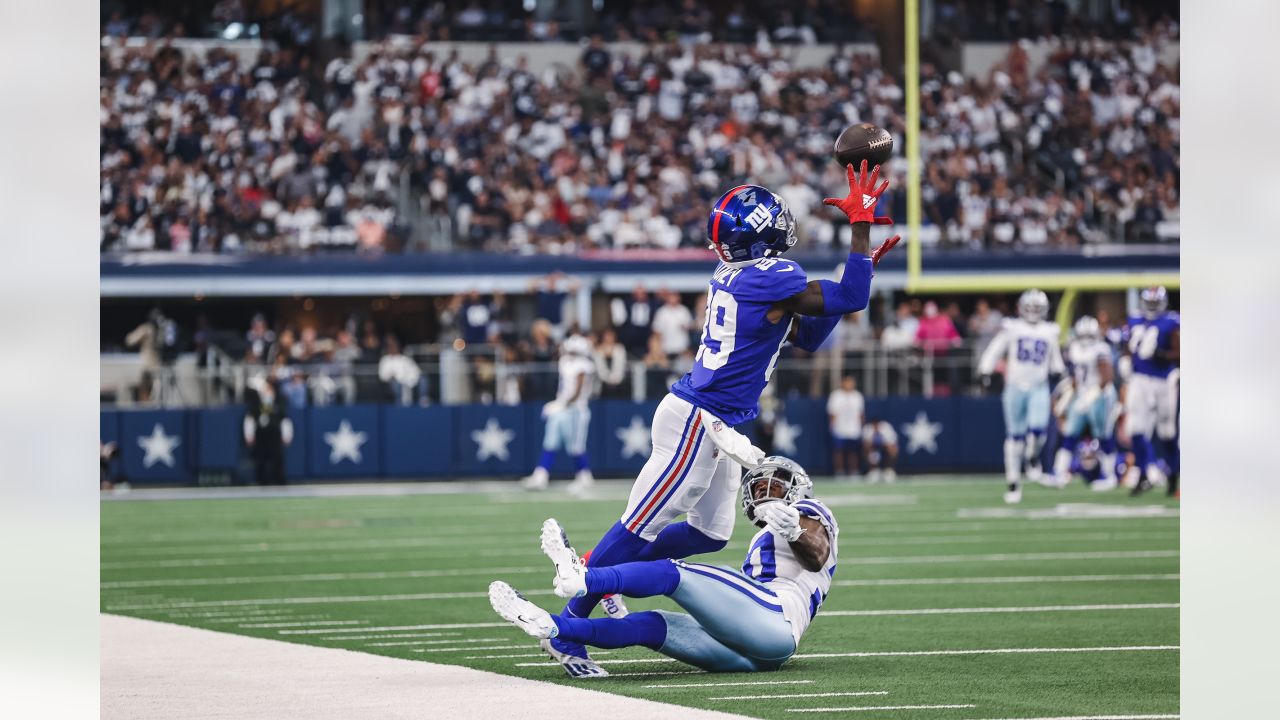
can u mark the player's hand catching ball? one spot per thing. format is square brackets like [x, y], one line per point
[860, 204]
[782, 519]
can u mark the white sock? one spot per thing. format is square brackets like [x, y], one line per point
[1012, 459]
[1062, 463]
[1108, 461]
[1035, 443]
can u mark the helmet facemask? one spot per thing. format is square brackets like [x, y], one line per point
[774, 479]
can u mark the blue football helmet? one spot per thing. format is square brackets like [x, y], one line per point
[1155, 300]
[748, 223]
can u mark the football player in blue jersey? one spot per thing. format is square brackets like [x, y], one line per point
[1151, 403]
[736, 621]
[756, 302]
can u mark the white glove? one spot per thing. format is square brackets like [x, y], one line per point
[552, 408]
[731, 442]
[782, 519]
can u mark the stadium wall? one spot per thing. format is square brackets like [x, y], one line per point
[384, 442]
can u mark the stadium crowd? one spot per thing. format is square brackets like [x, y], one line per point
[411, 148]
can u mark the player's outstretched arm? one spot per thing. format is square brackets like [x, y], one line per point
[807, 537]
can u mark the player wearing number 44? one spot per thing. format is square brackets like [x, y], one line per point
[757, 301]
[1029, 346]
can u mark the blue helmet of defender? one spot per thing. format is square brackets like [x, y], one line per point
[749, 223]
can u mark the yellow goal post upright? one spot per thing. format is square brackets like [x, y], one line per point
[917, 282]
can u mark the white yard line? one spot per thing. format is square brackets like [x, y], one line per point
[917, 653]
[389, 628]
[802, 695]
[1010, 557]
[310, 600]
[730, 684]
[981, 539]
[1007, 579]
[450, 641]
[402, 635]
[881, 707]
[980, 610]
[594, 653]
[320, 577]
[311, 623]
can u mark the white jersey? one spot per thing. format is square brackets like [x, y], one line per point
[1084, 356]
[1031, 353]
[772, 563]
[846, 409]
[571, 366]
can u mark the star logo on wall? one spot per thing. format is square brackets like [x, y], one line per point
[784, 436]
[345, 444]
[635, 438]
[158, 447]
[492, 441]
[922, 434]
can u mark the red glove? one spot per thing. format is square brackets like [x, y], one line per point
[885, 247]
[860, 204]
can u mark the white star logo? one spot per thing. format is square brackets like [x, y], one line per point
[922, 434]
[635, 438]
[158, 447]
[345, 444]
[492, 441]
[784, 436]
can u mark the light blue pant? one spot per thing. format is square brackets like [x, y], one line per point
[1025, 410]
[1097, 416]
[567, 431]
[734, 624]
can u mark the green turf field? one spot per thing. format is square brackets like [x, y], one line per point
[1077, 592]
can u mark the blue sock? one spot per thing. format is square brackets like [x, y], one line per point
[619, 545]
[639, 628]
[1107, 445]
[581, 462]
[1143, 453]
[1069, 443]
[1174, 455]
[548, 457]
[680, 540]
[634, 579]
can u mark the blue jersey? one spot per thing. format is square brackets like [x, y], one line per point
[740, 346]
[1145, 336]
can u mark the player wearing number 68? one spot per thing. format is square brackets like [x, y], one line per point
[1029, 346]
[757, 301]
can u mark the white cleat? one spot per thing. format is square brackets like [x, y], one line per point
[1035, 473]
[513, 608]
[1131, 478]
[582, 668]
[1013, 497]
[890, 475]
[582, 483]
[1103, 485]
[571, 574]
[613, 607]
[539, 479]
[874, 476]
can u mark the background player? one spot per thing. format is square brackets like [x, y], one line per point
[1029, 346]
[880, 447]
[756, 302]
[846, 414]
[737, 621]
[568, 417]
[1151, 400]
[1091, 406]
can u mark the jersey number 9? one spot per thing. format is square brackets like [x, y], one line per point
[717, 333]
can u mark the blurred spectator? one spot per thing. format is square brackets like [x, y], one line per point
[671, 323]
[657, 368]
[611, 366]
[401, 375]
[634, 318]
[846, 414]
[267, 432]
[260, 338]
[902, 333]
[936, 333]
[549, 297]
[540, 382]
[476, 317]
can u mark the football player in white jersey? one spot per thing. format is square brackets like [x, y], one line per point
[568, 417]
[737, 620]
[1029, 346]
[1092, 404]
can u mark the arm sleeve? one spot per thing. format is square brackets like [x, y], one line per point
[286, 431]
[731, 442]
[811, 332]
[991, 355]
[853, 292]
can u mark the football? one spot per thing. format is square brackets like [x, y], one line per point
[864, 142]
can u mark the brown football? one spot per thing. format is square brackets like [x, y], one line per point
[864, 142]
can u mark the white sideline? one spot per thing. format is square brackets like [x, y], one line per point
[882, 707]
[1095, 717]
[304, 624]
[1000, 580]
[915, 653]
[802, 695]
[311, 600]
[318, 577]
[157, 671]
[388, 628]
[982, 610]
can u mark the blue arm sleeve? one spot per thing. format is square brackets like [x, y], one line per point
[813, 331]
[853, 292]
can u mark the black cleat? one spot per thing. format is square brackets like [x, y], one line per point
[1143, 486]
